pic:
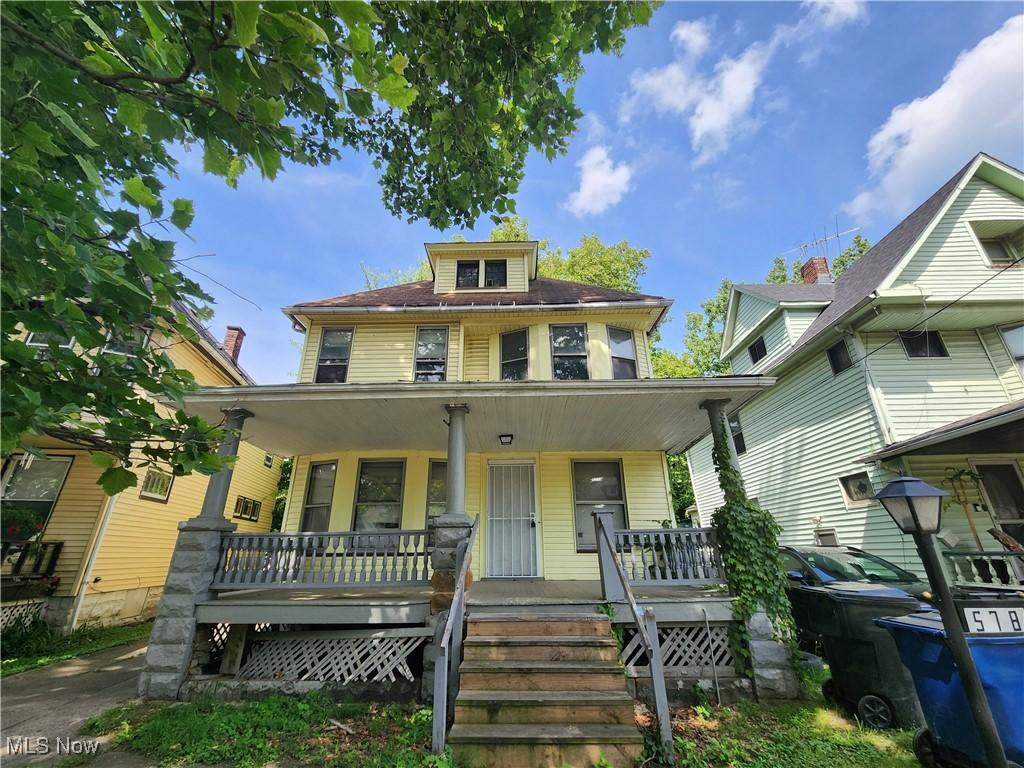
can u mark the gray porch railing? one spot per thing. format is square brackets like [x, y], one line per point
[646, 628]
[298, 560]
[449, 651]
[656, 556]
[979, 567]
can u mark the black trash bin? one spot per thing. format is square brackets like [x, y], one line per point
[868, 677]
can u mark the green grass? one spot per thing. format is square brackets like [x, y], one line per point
[36, 645]
[311, 729]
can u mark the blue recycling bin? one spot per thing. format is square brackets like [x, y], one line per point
[950, 738]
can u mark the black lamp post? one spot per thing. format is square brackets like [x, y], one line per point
[916, 508]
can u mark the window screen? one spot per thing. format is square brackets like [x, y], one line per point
[431, 353]
[316, 513]
[515, 355]
[923, 344]
[467, 274]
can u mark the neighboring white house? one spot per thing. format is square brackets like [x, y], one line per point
[912, 361]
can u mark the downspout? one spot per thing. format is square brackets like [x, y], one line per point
[108, 512]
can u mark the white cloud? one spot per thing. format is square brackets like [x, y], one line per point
[978, 107]
[693, 37]
[718, 101]
[602, 183]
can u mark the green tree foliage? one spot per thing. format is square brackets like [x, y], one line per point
[780, 273]
[703, 336]
[381, 278]
[850, 254]
[448, 98]
[593, 262]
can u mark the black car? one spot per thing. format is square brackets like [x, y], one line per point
[847, 568]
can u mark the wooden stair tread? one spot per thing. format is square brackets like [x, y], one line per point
[544, 697]
[585, 640]
[525, 618]
[544, 734]
[579, 667]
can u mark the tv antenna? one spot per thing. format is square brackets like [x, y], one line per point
[820, 245]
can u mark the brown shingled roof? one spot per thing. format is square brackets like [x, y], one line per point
[543, 290]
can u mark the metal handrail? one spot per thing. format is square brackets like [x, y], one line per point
[446, 667]
[647, 629]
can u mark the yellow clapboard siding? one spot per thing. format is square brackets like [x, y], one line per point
[647, 498]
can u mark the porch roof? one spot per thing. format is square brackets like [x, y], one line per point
[649, 414]
[999, 430]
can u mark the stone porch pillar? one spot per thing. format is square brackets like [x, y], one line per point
[453, 526]
[188, 579]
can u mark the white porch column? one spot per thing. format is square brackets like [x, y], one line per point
[193, 566]
[719, 422]
[456, 491]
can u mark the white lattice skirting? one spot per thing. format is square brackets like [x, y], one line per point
[684, 648]
[21, 612]
[343, 656]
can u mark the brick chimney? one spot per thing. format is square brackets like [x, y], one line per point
[233, 341]
[815, 270]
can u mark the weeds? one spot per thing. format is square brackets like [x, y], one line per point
[36, 644]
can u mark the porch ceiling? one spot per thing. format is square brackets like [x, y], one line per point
[652, 414]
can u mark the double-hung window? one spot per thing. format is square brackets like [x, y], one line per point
[1013, 338]
[623, 349]
[332, 362]
[379, 495]
[515, 355]
[437, 489]
[156, 485]
[431, 353]
[30, 490]
[569, 352]
[597, 487]
[923, 344]
[316, 512]
[41, 342]
[839, 357]
[467, 274]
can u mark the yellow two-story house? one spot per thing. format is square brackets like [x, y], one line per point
[562, 415]
[85, 557]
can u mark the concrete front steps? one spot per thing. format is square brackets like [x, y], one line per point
[542, 691]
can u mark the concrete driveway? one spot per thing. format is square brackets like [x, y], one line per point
[53, 702]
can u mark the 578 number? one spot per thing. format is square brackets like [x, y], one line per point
[994, 619]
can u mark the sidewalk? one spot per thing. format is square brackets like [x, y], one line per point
[54, 701]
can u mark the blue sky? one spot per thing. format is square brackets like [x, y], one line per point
[726, 134]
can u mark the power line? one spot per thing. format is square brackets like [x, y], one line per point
[943, 308]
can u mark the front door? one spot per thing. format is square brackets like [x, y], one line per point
[511, 519]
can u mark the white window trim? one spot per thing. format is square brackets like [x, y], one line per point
[586, 349]
[480, 277]
[855, 503]
[108, 351]
[575, 501]
[1018, 364]
[447, 349]
[155, 496]
[636, 351]
[981, 250]
[529, 357]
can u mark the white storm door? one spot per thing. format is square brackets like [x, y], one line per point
[511, 520]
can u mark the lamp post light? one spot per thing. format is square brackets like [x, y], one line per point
[916, 508]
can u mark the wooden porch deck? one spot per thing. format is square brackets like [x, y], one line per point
[411, 604]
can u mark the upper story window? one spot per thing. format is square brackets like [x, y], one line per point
[379, 495]
[1013, 337]
[515, 355]
[623, 349]
[467, 274]
[40, 342]
[757, 351]
[839, 357]
[569, 352]
[923, 344]
[431, 353]
[737, 434]
[1001, 242]
[332, 362]
[126, 347]
[495, 273]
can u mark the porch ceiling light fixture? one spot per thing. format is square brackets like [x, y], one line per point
[505, 439]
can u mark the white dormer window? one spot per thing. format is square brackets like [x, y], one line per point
[481, 273]
[1001, 241]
